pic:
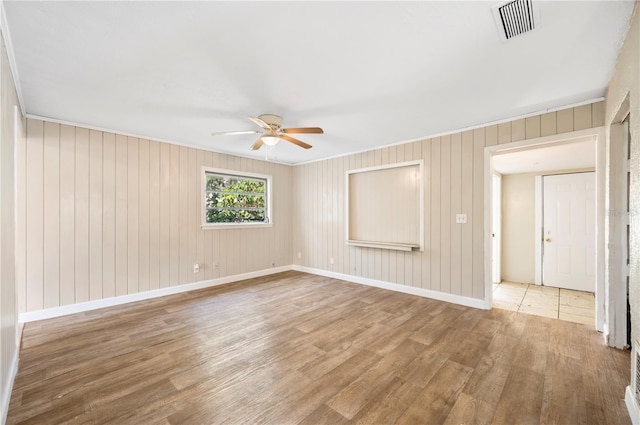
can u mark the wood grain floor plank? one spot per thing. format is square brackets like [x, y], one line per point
[297, 348]
[436, 400]
[470, 411]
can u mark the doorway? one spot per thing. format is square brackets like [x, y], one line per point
[566, 144]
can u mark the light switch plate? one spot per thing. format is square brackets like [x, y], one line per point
[461, 218]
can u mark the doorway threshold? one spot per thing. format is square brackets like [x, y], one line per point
[546, 301]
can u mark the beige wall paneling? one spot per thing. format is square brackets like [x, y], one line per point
[143, 215]
[11, 126]
[454, 176]
[82, 215]
[133, 208]
[401, 277]
[491, 135]
[51, 223]
[209, 263]
[532, 127]
[322, 259]
[548, 124]
[518, 130]
[504, 133]
[564, 121]
[417, 257]
[183, 216]
[122, 222]
[67, 214]
[108, 215]
[582, 117]
[435, 246]
[35, 215]
[129, 210]
[477, 218]
[445, 214]
[154, 215]
[21, 217]
[356, 261]
[384, 253]
[468, 189]
[166, 209]
[597, 114]
[204, 252]
[96, 197]
[456, 208]
[193, 206]
[216, 237]
[425, 280]
[337, 213]
[343, 250]
[174, 217]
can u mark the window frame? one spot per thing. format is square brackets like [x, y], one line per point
[238, 174]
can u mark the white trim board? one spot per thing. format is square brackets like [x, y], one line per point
[463, 129]
[6, 35]
[8, 386]
[632, 406]
[152, 138]
[140, 296]
[598, 133]
[427, 293]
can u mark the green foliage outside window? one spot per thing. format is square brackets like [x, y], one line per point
[235, 199]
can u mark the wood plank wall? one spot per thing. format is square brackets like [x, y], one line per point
[8, 314]
[452, 261]
[108, 215]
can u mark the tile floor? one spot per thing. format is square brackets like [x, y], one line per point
[563, 304]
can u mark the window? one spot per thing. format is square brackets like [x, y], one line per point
[233, 198]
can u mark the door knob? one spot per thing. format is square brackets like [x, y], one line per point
[547, 240]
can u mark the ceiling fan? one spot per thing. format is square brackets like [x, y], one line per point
[272, 132]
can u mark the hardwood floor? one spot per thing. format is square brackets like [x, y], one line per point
[296, 348]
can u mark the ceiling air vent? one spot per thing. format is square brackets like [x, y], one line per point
[514, 18]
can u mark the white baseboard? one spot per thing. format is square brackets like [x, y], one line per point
[427, 293]
[124, 299]
[632, 406]
[8, 386]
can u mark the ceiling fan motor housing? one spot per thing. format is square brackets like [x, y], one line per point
[274, 121]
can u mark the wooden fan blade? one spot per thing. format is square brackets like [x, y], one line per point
[231, 133]
[294, 141]
[300, 130]
[257, 145]
[260, 123]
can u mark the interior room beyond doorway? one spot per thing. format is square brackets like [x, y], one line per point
[520, 286]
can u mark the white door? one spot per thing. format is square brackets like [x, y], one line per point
[496, 223]
[569, 224]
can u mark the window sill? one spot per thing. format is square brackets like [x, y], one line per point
[384, 245]
[221, 226]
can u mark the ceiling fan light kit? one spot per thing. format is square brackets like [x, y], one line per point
[272, 132]
[270, 140]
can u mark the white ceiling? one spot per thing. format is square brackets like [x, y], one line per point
[577, 155]
[369, 73]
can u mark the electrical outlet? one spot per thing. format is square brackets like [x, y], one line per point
[196, 268]
[299, 255]
[461, 218]
[331, 260]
